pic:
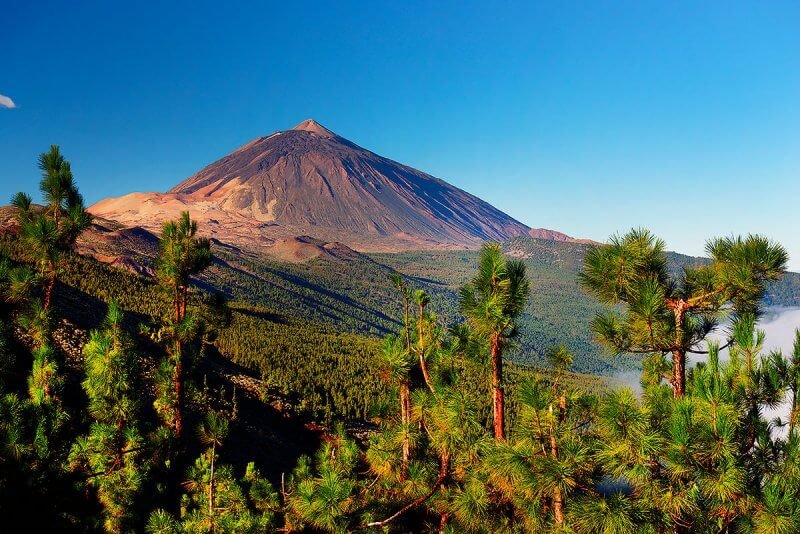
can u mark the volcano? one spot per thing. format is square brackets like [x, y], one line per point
[309, 181]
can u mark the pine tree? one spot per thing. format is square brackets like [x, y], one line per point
[447, 439]
[760, 383]
[212, 433]
[16, 284]
[181, 256]
[245, 505]
[111, 455]
[491, 302]
[50, 233]
[673, 314]
[396, 365]
[323, 492]
[550, 455]
[397, 356]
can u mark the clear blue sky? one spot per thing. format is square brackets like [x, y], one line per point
[584, 117]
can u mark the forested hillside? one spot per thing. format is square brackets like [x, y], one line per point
[345, 291]
[559, 310]
[323, 373]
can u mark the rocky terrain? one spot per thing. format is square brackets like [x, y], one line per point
[130, 248]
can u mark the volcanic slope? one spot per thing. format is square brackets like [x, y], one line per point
[309, 181]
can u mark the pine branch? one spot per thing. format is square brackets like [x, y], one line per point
[442, 476]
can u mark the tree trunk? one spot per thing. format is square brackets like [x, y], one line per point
[405, 409]
[184, 300]
[177, 384]
[558, 497]
[678, 373]
[48, 291]
[443, 522]
[422, 363]
[408, 325]
[119, 445]
[424, 366]
[679, 352]
[211, 487]
[178, 307]
[558, 506]
[498, 399]
[177, 376]
[405, 393]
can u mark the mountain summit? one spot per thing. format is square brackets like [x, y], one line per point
[310, 125]
[310, 181]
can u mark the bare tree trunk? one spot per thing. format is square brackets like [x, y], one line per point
[498, 399]
[558, 506]
[679, 374]
[424, 366]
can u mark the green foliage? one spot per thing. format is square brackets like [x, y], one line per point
[674, 314]
[109, 458]
[240, 505]
[181, 256]
[216, 501]
[44, 381]
[181, 253]
[110, 368]
[111, 455]
[47, 234]
[321, 493]
[496, 295]
[557, 312]
[491, 302]
[325, 371]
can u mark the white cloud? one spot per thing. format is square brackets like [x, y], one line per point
[6, 102]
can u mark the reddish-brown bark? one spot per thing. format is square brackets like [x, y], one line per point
[498, 398]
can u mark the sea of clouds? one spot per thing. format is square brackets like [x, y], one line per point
[778, 324]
